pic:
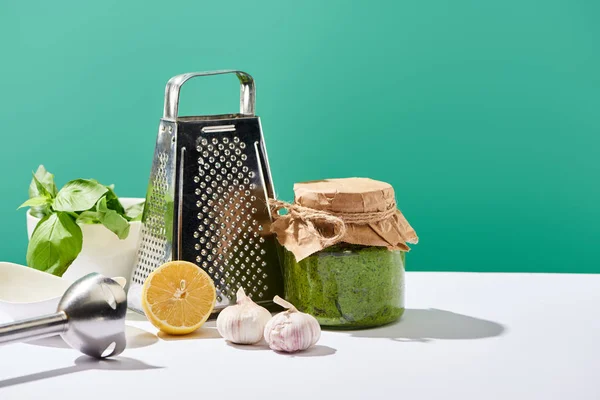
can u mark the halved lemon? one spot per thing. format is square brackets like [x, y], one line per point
[178, 297]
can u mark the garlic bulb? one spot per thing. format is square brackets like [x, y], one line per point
[244, 322]
[291, 330]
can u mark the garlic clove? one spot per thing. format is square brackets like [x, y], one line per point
[244, 322]
[291, 330]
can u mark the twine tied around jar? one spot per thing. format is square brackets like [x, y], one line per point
[336, 220]
[357, 211]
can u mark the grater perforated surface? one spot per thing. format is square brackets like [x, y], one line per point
[153, 245]
[229, 240]
[154, 248]
[225, 228]
[207, 203]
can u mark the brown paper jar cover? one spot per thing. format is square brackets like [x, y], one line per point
[351, 197]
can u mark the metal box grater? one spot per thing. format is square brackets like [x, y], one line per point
[207, 200]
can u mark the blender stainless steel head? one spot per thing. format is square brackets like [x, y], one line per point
[90, 317]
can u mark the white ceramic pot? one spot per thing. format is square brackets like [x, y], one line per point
[102, 251]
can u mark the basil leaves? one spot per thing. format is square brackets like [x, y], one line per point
[111, 219]
[42, 186]
[79, 195]
[57, 239]
[55, 243]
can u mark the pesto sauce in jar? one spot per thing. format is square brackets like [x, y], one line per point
[347, 286]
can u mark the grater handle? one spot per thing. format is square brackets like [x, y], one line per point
[247, 92]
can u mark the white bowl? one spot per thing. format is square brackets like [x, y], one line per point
[102, 251]
[27, 293]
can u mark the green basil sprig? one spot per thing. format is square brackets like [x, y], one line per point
[57, 239]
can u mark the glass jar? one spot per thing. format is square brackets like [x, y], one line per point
[347, 286]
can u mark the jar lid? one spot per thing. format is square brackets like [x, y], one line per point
[359, 211]
[351, 195]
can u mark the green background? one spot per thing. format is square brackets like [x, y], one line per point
[484, 115]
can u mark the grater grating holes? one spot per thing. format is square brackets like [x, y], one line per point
[227, 221]
[152, 249]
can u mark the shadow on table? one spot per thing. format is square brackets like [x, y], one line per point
[423, 325]
[207, 331]
[262, 345]
[83, 363]
[314, 351]
[135, 316]
[136, 338]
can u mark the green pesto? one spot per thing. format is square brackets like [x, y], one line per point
[347, 286]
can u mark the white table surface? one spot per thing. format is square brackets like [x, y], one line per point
[464, 336]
